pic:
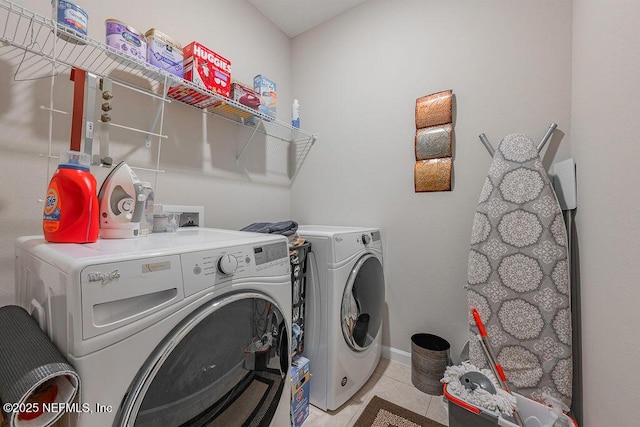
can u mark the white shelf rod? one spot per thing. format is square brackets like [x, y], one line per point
[53, 110]
[144, 92]
[138, 130]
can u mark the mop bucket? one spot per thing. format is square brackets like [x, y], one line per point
[465, 414]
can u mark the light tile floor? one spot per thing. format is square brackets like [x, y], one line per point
[390, 381]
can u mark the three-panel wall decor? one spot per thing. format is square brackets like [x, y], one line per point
[434, 142]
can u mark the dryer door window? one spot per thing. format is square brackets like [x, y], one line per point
[225, 364]
[362, 303]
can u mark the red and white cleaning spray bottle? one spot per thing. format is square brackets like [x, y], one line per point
[71, 211]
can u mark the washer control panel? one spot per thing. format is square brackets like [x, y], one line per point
[209, 268]
[268, 254]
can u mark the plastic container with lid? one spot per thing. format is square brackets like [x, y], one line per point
[146, 221]
[164, 52]
[71, 21]
[71, 210]
[125, 39]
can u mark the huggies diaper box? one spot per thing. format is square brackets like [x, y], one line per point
[206, 69]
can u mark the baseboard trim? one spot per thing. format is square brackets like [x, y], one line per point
[396, 355]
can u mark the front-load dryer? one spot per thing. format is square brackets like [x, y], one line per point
[345, 302]
[185, 328]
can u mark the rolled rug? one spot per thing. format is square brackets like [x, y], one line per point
[37, 384]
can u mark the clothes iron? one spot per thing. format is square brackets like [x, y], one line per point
[121, 198]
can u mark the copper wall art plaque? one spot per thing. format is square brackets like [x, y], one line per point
[433, 175]
[434, 142]
[434, 109]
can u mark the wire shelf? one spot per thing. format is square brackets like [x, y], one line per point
[35, 34]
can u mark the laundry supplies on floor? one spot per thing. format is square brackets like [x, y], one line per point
[475, 399]
[490, 397]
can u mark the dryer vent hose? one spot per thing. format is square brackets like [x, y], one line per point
[34, 375]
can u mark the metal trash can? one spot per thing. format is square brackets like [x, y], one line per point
[429, 360]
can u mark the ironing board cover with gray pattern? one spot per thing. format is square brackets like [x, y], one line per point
[518, 274]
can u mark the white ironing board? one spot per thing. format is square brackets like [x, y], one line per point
[518, 274]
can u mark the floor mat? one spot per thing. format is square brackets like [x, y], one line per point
[382, 413]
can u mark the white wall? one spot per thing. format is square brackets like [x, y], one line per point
[198, 171]
[605, 129]
[357, 78]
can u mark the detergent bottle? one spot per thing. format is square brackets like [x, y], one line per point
[295, 114]
[71, 206]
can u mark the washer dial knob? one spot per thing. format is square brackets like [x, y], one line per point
[366, 239]
[227, 264]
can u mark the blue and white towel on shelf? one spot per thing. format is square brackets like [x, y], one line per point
[286, 228]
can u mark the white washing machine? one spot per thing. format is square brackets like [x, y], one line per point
[345, 302]
[185, 328]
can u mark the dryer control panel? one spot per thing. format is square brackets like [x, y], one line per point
[215, 267]
[348, 244]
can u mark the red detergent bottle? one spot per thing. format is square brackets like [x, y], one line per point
[71, 210]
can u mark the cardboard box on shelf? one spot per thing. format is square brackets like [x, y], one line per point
[207, 69]
[245, 96]
[300, 377]
[241, 94]
[268, 95]
[164, 52]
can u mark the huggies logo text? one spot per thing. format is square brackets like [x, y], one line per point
[210, 57]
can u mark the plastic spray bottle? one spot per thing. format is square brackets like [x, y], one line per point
[295, 114]
[71, 210]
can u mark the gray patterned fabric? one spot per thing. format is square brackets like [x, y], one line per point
[518, 274]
